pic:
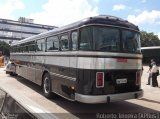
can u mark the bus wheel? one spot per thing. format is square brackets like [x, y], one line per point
[47, 86]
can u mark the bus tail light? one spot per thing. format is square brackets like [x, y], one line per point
[99, 79]
[138, 78]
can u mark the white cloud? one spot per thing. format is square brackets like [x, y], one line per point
[58, 14]
[96, 1]
[9, 6]
[119, 7]
[145, 17]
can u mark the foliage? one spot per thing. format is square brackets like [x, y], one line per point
[5, 48]
[149, 39]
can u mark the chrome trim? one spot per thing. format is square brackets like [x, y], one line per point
[26, 66]
[76, 53]
[108, 64]
[150, 48]
[83, 62]
[55, 74]
[108, 98]
[62, 76]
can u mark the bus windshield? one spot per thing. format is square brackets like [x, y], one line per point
[99, 38]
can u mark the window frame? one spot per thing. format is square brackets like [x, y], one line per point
[25, 48]
[44, 41]
[122, 42]
[32, 43]
[60, 42]
[92, 47]
[75, 31]
[108, 28]
[53, 40]
[79, 39]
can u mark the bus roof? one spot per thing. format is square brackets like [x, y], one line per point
[150, 48]
[101, 19]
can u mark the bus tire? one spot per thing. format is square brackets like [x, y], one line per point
[47, 86]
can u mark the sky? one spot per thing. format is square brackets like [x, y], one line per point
[144, 13]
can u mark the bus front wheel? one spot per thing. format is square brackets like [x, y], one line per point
[47, 86]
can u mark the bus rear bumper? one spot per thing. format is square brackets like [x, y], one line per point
[107, 98]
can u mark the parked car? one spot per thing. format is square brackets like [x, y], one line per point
[11, 69]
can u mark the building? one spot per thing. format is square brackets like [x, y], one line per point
[12, 31]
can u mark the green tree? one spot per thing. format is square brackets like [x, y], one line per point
[5, 48]
[149, 39]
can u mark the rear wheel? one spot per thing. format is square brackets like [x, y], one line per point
[47, 86]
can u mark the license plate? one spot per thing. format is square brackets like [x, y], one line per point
[121, 81]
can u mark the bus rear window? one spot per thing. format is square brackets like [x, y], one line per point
[109, 39]
[106, 39]
[86, 39]
[130, 41]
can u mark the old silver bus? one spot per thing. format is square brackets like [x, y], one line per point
[95, 60]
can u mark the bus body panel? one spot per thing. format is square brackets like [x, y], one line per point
[92, 99]
[86, 83]
[80, 73]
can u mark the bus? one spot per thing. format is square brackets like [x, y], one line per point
[94, 60]
[151, 53]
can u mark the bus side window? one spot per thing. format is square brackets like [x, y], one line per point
[40, 46]
[64, 42]
[31, 46]
[18, 49]
[74, 37]
[25, 48]
[85, 42]
[13, 49]
[52, 43]
[21, 48]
